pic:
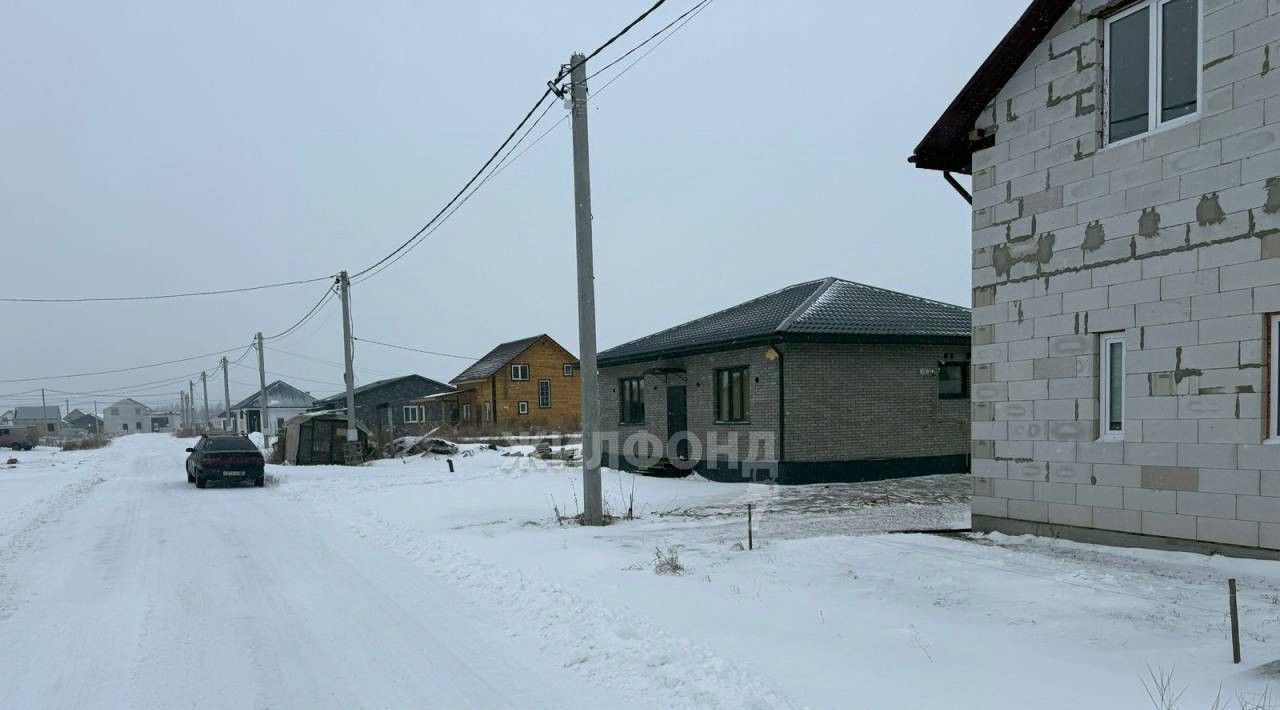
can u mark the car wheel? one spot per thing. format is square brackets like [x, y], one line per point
[200, 482]
[260, 482]
[190, 478]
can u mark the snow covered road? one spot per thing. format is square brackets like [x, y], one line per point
[131, 588]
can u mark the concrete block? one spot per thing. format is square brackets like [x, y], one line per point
[1113, 158]
[1009, 411]
[1128, 294]
[1211, 357]
[1269, 536]
[1144, 361]
[1012, 372]
[1054, 367]
[1013, 488]
[1206, 155]
[1029, 510]
[1231, 329]
[990, 392]
[1029, 470]
[1163, 384]
[1013, 450]
[1266, 299]
[1206, 456]
[1116, 273]
[1230, 532]
[1171, 335]
[1108, 518]
[1055, 492]
[1218, 480]
[1151, 454]
[1225, 254]
[1143, 499]
[1100, 452]
[1221, 305]
[1142, 408]
[1216, 179]
[1170, 478]
[1071, 345]
[1051, 326]
[1207, 406]
[1252, 169]
[1231, 123]
[1065, 514]
[1167, 525]
[1230, 431]
[1029, 390]
[995, 507]
[1071, 387]
[1055, 451]
[1261, 508]
[1250, 275]
[1245, 145]
[1100, 496]
[1110, 319]
[1078, 431]
[1055, 409]
[1163, 143]
[1169, 431]
[1169, 264]
[1212, 505]
[1027, 431]
[998, 431]
[989, 468]
[1087, 300]
[1029, 349]
[1265, 457]
[1127, 476]
[1193, 284]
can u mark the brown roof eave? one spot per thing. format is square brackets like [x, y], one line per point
[948, 146]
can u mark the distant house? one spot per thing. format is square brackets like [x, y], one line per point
[826, 380]
[386, 407]
[128, 416]
[527, 383]
[47, 419]
[284, 401]
[83, 422]
[163, 422]
[6, 417]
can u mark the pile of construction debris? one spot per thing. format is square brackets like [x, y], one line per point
[420, 445]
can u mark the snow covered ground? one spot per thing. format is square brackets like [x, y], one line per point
[401, 584]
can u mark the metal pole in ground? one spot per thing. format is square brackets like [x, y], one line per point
[226, 397]
[1235, 622]
[264, 413]
[592, 500]
[191, 403]
[204, 383]
[351, 447]
[44, 416]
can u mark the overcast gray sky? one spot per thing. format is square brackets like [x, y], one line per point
[152, 147]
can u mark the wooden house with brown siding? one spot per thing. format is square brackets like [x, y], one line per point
[531, 383]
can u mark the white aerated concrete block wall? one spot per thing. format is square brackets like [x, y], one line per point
[1172, 240]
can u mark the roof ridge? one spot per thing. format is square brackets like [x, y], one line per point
[716, 313]
[904, 293]
[806, 304]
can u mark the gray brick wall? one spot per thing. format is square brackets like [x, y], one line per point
[851, 402]
[1173, 240]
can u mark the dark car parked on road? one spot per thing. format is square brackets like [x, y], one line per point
[231, 458]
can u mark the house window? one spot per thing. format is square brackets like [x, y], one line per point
[631, 400]
[49, 427]
[412, 415]
[466, 412]
[1111, 386]
[115, 412]
[124, 426]
[1273, 431]
[522, 407]
[520, 373]
[953, 380]
[568, 369]
[486, 411]
[1153, 67]
[732, 401]
[544, 394]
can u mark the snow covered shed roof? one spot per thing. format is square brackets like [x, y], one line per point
[825, 310]
[948, 145]
[279, 394]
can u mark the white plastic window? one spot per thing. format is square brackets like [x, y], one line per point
[1152, 67]
[1111, 386]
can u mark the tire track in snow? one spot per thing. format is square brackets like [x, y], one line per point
[33, 518]
[639, 662]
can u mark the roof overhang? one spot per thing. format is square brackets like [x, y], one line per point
[741, 343]
[950, 144]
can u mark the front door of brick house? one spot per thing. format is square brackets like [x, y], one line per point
[678, 421]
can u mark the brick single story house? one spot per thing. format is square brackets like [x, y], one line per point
[1126, 272]
[386, 408]
[522, 385]
[827, 380]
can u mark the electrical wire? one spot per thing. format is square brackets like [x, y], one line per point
[301, 321]
[416, 350]
[159, 297]
[651, 37]
[135, 368]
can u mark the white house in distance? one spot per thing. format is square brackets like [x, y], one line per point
[47, 419]
[284, 402]
[128, 416]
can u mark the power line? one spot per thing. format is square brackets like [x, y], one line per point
[299, 323]
[159, 297]
[552, 88]
[416, 350]
[651, 37]
[216, 353]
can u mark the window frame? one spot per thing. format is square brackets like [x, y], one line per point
[466, 412]
[745, 395]
[1273, 378]
[548, 384]
[568, 369]
[964, 379]
[1155, 61]
[519, 367]
[1105, 433]
[625, 413]
[415, 411]
[522, 407]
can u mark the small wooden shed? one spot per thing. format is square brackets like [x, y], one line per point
[317, 438]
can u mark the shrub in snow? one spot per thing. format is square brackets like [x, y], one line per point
[668, 563]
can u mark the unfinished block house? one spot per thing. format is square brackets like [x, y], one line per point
[1126, 271]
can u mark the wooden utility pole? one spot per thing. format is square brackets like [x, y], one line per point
[592, 502]
[97, 427]
[351, 448]
[204, 384]
[191, 403]
[226, 397]
[264, 414]
[44, 415]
